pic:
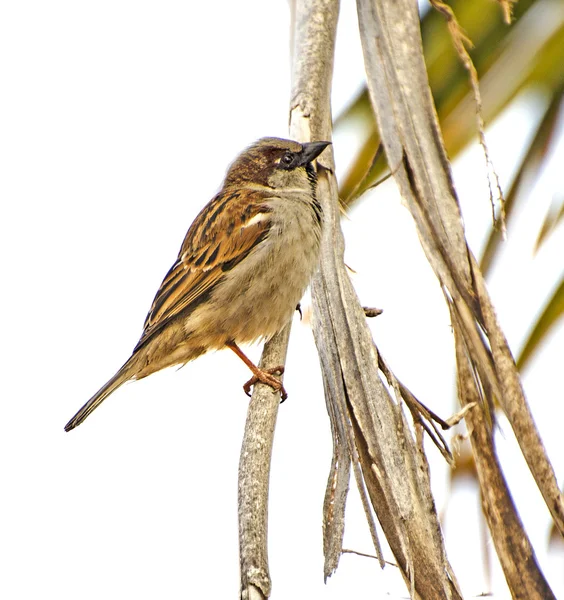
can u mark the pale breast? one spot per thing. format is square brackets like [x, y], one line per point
[258, 297]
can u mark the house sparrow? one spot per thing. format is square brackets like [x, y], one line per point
[242, 268]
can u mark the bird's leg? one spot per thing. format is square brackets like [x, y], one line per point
[265, 376]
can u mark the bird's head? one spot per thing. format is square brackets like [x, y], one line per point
[276, 163]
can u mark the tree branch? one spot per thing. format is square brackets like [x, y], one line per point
[254, 476]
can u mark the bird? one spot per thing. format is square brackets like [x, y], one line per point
[241, 271]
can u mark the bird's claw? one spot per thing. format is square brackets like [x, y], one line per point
[266, 376]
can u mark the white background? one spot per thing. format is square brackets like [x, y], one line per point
[118, 120]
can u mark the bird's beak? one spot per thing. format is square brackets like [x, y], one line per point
[311, 151]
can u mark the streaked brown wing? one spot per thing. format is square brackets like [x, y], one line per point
[222, 235]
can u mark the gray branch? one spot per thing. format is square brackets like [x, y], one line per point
[254, 476]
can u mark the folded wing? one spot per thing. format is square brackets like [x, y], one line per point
[222, 235]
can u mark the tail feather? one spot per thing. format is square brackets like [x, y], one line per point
[123, 375]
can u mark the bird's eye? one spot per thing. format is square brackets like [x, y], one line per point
[287, 159]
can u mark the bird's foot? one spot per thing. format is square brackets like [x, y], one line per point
[266, 376]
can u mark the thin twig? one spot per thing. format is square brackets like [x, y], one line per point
[347, 551]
